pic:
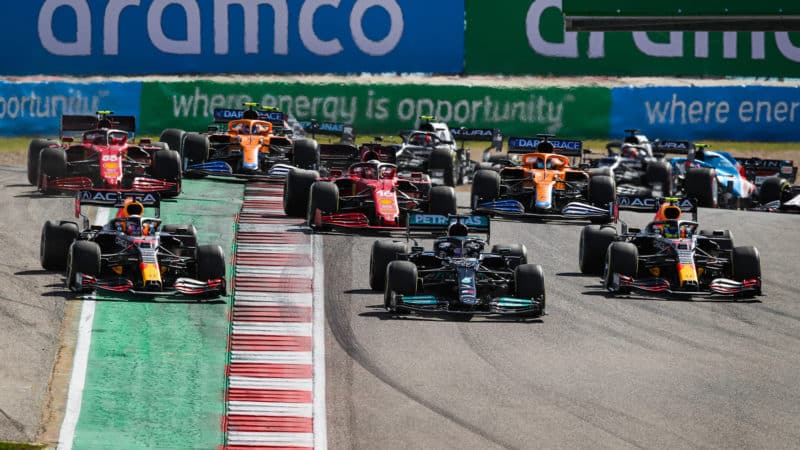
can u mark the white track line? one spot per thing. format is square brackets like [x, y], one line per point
[320, 416]
[80, 361]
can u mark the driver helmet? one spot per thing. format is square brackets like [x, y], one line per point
[457, 229]
[629, 151]
[554, 163]
[671, 230]
[130, 208]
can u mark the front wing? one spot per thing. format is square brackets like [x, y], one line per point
[572, 211]
[183, 286]
[500, 306]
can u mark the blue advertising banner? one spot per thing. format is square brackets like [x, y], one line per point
[732, 113]
[82, 37]
[35, 109]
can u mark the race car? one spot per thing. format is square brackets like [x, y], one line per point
[431, 148]
[715, 179]
[254, 144]
[544, 185]
[132, 253]
[670, 256]
[457, 276]
[758, 170]
[97, 152]
[637, 168]
[777, 194]
[369, 195]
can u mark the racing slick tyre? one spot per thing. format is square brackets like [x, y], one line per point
[305, 154]
[606, 171]
[623, 259]
[174, 138]
[210, 262]
[161, 146]
[53, 162]
[529, 283]
[167, 167]
[34, 149]
[701, 183]
[296, 188]
[401, 278]
[516, 250]
[444, 159]
[442, 200]
[324, 198]
[84, 258]
[195, 148]
[602, 192]
[485, 187]
[723, 238]
[55, 242]
[659, 176]
[185, 238]
[383, 252]
[592, 248]
[746, 265]
[773, 189]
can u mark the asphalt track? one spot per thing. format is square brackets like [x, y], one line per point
[595, 372]
[32, 305]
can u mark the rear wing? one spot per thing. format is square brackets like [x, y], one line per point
[757, 169]
[675, 147]
[223, 115]
[338, 156]
[475, 134]
[110, 199]
[434, 223]
[72, 125]
[572, 148]
[652, 204]
[337, 129]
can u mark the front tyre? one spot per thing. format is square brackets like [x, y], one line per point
[529, 283]
[84, 258]
[401, 279]
[622, 259]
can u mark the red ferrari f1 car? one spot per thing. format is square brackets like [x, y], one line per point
[369, 195]
[104, 158]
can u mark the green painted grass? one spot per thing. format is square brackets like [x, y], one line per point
[20, 446]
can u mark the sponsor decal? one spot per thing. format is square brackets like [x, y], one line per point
[651, 203]
[444, 221]
[113, 197]
[532, 143]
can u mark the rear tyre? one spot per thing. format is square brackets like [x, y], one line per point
[602, 192]
[401, 279]
[185, 234]
[34, 150]
[592, 248]
[724, 239]
[442, 200]
[305, 154]
[774, 189]
[84, 258]
[383, 253]
[623, 259]
[195, 148]
[167, 167]
[659, 176]
[485, 187]
[55, 243]
[324, 197]
[529, 283]
[517, 250]
[746, 265]
[701, 184]
[296, 189]
[444, 159]
[174, 138]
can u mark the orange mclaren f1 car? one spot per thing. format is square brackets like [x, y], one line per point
[543, 184]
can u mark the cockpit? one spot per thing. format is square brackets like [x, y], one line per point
[105, 138]
[545, 161]
[459, 247]
[373, 170]
[672, 229]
